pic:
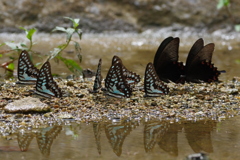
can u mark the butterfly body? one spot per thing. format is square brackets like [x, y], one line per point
[153, 86]
[45, 85]
[27, 73]
[116, 83]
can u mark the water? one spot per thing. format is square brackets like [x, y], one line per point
[127, 140]
[133, 140]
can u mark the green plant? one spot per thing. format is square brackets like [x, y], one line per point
[56, 53]
[226, 4]
[71, 64]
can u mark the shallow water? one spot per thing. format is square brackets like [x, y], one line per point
[165, 140]
[127, 140]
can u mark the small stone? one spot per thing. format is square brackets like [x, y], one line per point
[70, 83]
[27, 105]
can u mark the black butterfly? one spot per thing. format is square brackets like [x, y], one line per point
[166, 61]
[27, 73]
[131, 77]
[98, 77]
[45, 138]
[198, 65]
[45, 85]
[116, 83]
[153, 86]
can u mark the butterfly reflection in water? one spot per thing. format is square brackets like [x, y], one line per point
[45, 85]
[131, 77]
[115, 82]
[153, 86]
[27, 73]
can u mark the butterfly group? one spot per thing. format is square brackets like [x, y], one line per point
[198, 68]
[29, 74]
[120, 82]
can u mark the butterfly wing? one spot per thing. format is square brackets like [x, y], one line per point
[45, 85]
[131, 77]
[166, 61]
[153, 86]
[27, 73]
[116, 83]
[98, 77]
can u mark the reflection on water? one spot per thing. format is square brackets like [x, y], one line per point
[126, 139]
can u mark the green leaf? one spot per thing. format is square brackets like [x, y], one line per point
[2, 44]
[237, 27]
[11, 66]
[74, 21]
[71, 65]
[29, 33]
[59, 29]
[15, 46]
[78, 51]
[223, 3]
[237, 61]
[70, 32]
[1, 55]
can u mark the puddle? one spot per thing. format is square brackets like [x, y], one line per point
[126, 139]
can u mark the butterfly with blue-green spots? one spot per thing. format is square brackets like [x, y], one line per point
[27, 73]
[153, 86]
[116, 83]
[98, 78]
[131, 77]
[45, 85]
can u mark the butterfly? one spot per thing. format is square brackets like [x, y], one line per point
[131, 77]
[115, 82]
[27, 73]
[153, 86]
[45, 85]
[98, 77]
[166, 61]
[45, 138]
[199, 67]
